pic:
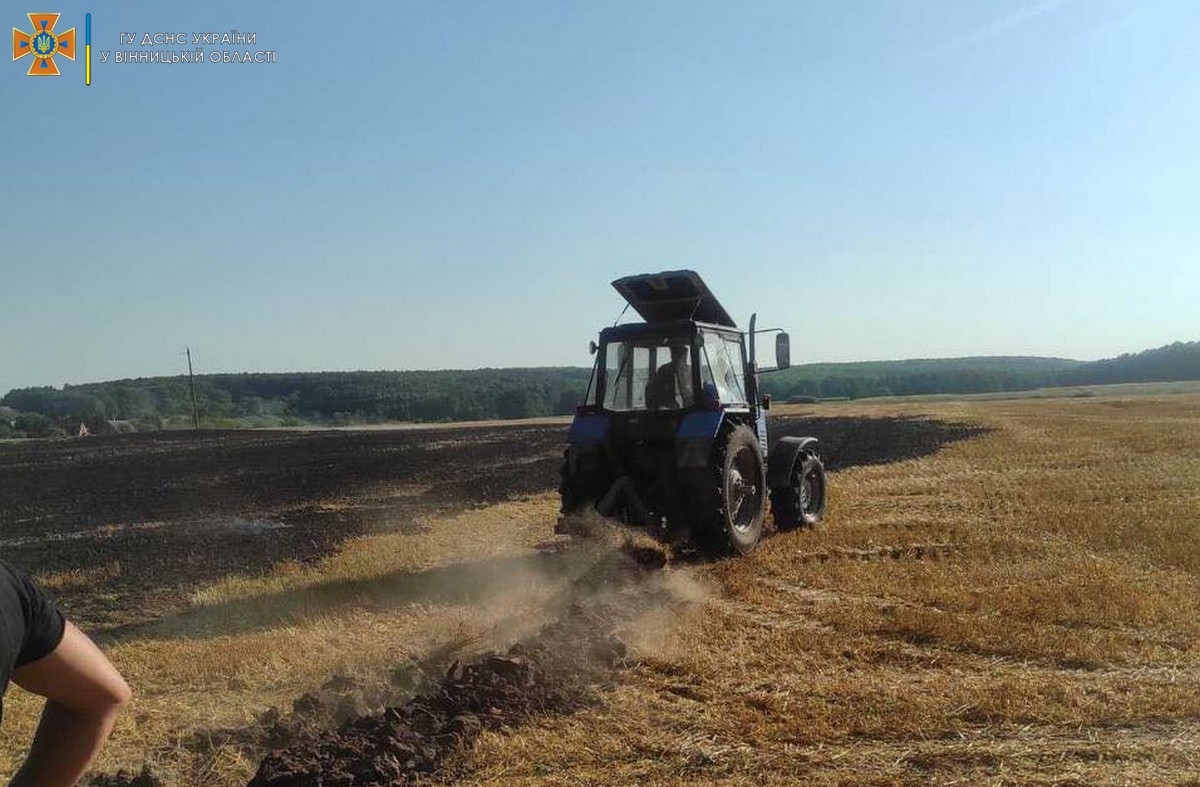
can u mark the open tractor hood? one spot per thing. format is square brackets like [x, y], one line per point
[672, 295]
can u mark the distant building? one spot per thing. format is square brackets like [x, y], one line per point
[73, 426]
[78, 427]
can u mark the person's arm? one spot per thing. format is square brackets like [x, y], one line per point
[84, 694]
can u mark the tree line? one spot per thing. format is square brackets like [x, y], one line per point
[293, 399]
[913, 377]
[264, 400]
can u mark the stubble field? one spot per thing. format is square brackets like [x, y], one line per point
[1004, 592]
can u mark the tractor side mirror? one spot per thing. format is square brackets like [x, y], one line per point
[783, 351]
[593, 347]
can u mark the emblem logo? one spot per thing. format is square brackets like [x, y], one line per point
[43, 44]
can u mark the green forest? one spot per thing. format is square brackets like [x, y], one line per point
[335, 398]
[923, 376]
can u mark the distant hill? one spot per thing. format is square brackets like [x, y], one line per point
[989, 374]
[983, 374]
[1178, 361]
[357, 397]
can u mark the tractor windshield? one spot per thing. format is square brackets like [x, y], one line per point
[649, 374]
[723, 366]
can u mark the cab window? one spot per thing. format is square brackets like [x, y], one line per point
[641, 375]
[722, 365]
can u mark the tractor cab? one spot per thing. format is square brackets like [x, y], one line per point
[689, 353]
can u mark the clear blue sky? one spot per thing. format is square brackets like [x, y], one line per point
[454, 184]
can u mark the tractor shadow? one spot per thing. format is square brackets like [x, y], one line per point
[854, 442]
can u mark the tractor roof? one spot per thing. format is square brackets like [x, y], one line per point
[672, 295]
[634, 331]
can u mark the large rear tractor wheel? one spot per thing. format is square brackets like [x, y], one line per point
[733, 523]
[802, 502]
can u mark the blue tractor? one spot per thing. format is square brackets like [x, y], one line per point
[672, 434]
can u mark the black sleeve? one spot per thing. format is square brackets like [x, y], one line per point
[44, 624]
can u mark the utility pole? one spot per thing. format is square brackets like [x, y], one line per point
[192, 385]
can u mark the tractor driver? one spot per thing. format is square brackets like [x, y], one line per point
[671, 387]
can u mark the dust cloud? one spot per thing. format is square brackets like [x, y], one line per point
[580, 614]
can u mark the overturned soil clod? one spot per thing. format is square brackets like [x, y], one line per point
[555, 671]
[143, 778]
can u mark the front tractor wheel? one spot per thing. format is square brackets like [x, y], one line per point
[802, 502]
[740, 500]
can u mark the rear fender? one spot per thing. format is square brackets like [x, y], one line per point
[588, 429]
[700, 424]
[783, 459]
[694, 438]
